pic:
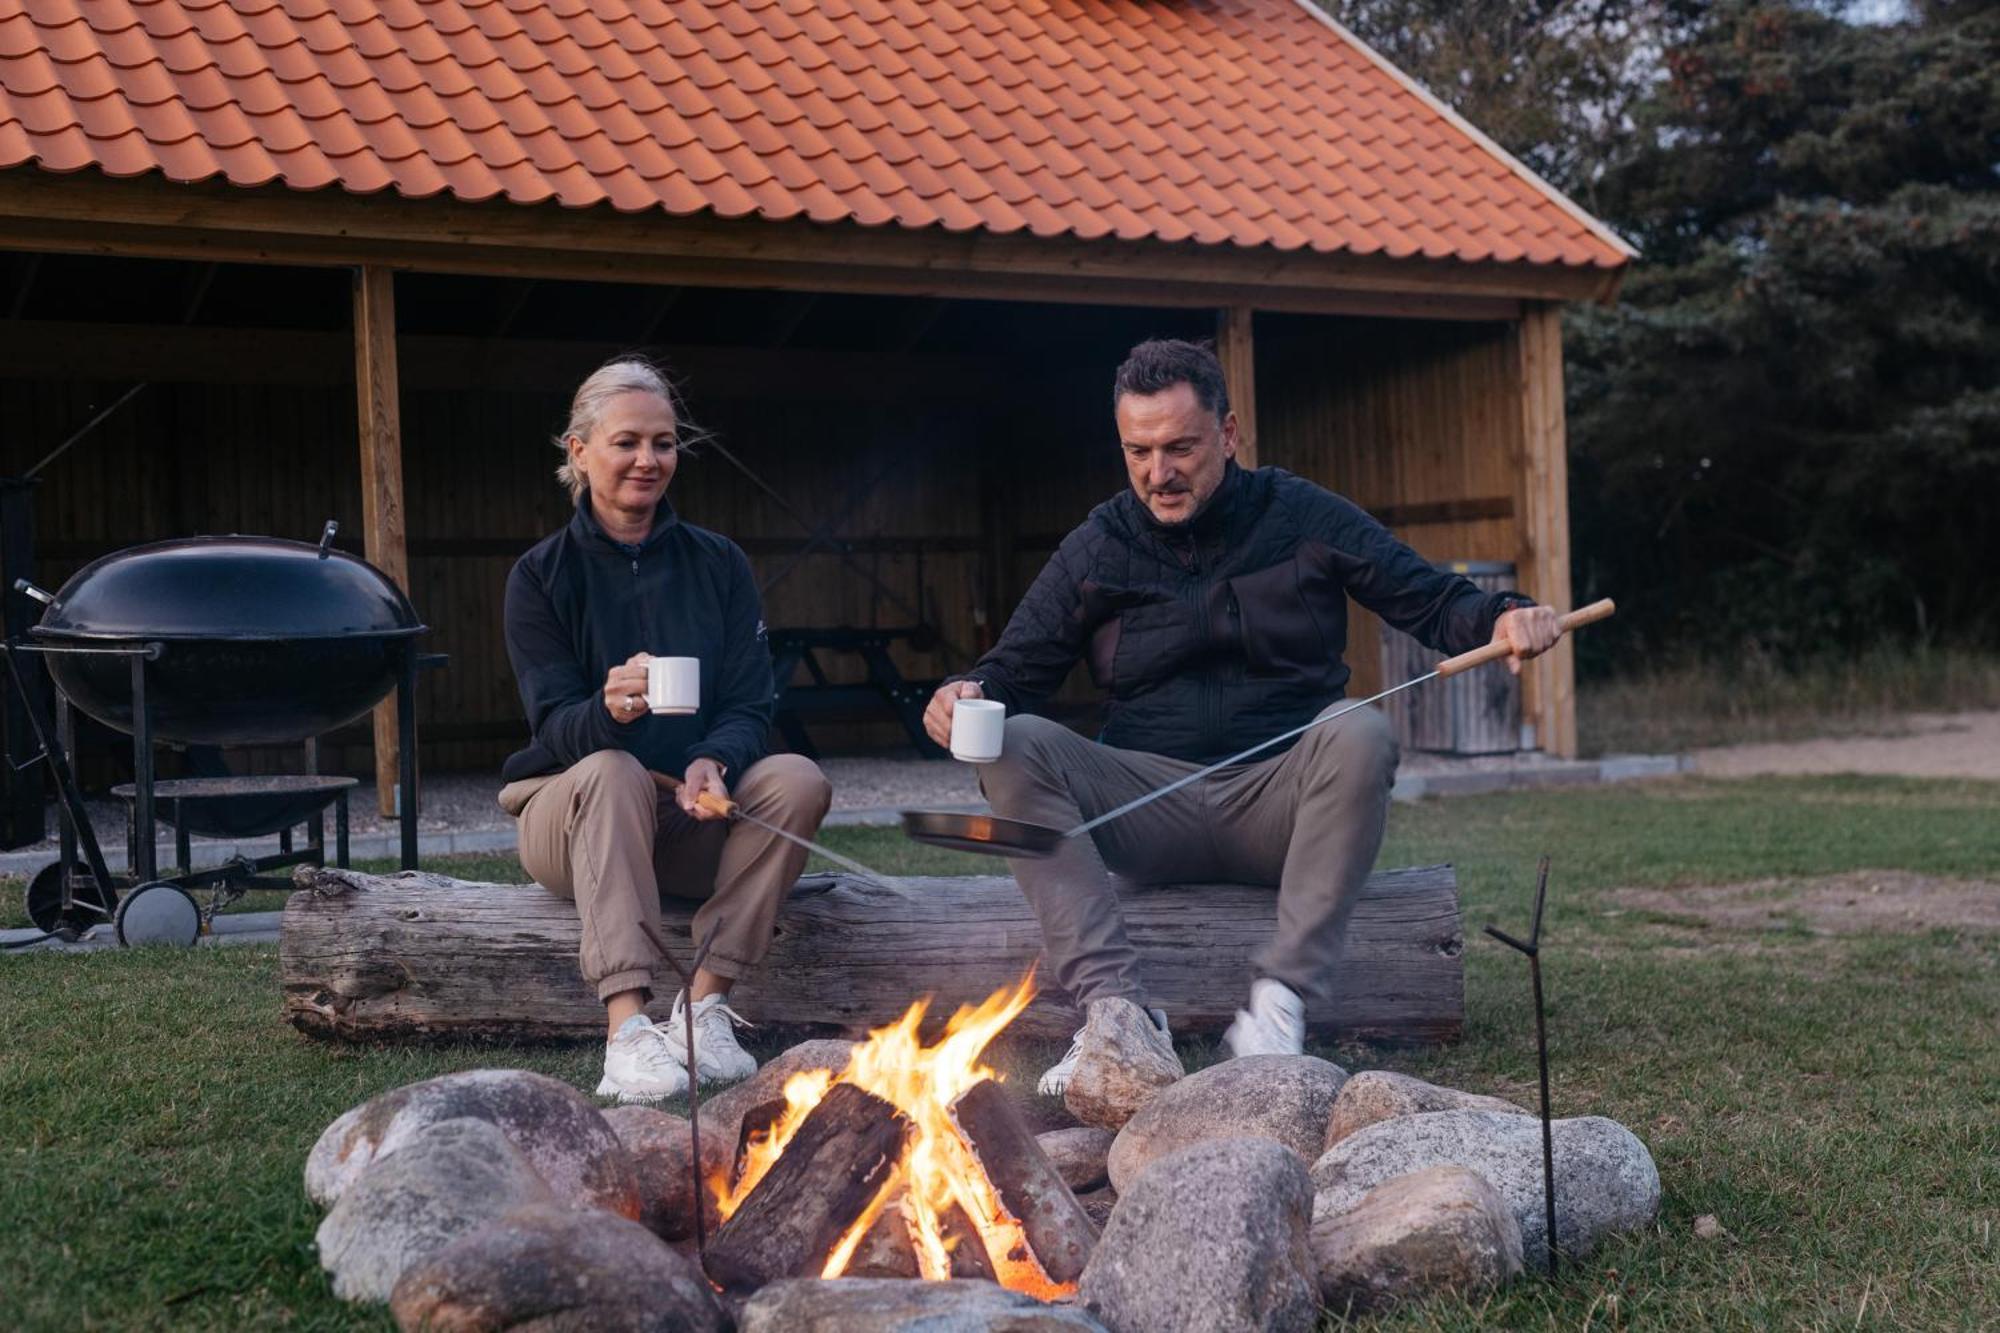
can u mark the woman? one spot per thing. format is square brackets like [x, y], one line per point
[624, 579]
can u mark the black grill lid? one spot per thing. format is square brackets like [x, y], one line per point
[228, 588]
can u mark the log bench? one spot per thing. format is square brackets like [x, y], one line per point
[368, 957]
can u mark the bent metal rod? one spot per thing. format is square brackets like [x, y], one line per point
[1451, 666]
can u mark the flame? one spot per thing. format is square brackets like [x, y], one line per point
[938, 1167]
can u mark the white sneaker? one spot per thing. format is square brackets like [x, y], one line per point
[640, 1064]
[717, 1057]
[1274, 1024]
[1056, 1078]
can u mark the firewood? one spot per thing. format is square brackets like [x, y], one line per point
[1058, 1230]
[368, 958]
[888, 1250]
[844, 1152]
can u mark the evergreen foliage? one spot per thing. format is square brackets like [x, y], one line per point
[1786, 432]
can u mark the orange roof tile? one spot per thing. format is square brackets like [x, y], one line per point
[1246, 122]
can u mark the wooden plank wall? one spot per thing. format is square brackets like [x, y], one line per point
[969, 480]
[1416, 421]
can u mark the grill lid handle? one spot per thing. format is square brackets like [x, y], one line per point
[326, 538]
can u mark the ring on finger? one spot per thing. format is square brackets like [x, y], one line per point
[632, 702]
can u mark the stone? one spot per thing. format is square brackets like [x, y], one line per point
[443, 1182]
[1210, 1239]
[1121, 1066]
[1284, 1098]
[1078, 1155]
[1708, 1227]
[1376, 1094]
[662, 1147]
[887, 1305]
[556, 1127]
[549, 1267]
[722, 1115]
[1434, 1231]
[1605, 1179]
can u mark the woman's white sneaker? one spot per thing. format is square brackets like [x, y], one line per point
[717, 1056]
[641, 1065]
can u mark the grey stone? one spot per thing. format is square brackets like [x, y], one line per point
[1078, 1155]
[1605, 1178]
[1284, 1098]
[1124, 1061]
[444, 1181]
[662, 1147]
[556, 1127]
[1376, 1094]
[551, 1268]
[1210, 1239]
[1439, 1230]
[888, 1305]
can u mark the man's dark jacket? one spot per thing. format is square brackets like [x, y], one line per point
[1213, 635]
[580, 603]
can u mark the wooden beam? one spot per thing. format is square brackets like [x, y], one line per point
[81, 213]
[1236, 348]
[380, 419]
[1542, 520]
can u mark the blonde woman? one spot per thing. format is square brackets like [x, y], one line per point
[625, 578]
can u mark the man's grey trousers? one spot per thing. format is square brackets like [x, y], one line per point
[1308, 821]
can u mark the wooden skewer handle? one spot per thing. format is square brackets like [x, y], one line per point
[1493, 652]
[708, 800]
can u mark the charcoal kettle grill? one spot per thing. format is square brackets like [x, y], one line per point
[209, 641]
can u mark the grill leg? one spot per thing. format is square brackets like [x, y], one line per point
[340, 830]
[406, 754]
[145, 865]
[183, 855]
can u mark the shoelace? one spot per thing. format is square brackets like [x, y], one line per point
[653, 1049]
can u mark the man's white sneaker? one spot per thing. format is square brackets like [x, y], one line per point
[640, 1064]
[1274, 1024]
[717, 1057]
[1056, 1078]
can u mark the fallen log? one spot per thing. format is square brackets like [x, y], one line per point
[370, 957]
[1057, 1230]
[832, 1170]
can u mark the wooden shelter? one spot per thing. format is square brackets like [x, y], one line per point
[895, 249]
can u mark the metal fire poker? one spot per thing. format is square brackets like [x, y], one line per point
[694, 1073]
[1533, 948]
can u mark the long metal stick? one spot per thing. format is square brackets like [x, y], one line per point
[687, 976]
[1239, 757]
[734, 810]
[1532, 947]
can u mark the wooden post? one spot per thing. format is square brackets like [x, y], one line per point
[1541, 517]
[1237, 350]
[380, 420]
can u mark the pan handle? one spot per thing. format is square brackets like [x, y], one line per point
[708, 800]
[1493, 652]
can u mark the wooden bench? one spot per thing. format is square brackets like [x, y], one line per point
[420, 955]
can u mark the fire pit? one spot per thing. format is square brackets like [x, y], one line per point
[911, 1161]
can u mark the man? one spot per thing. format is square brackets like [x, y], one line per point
[1210, 602]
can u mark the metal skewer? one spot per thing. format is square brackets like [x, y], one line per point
[733, 810]
[694, 1072]
[1532, 947]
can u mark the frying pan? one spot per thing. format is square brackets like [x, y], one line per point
[992, 835]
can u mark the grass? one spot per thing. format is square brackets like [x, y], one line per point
[1753, 696]
[1827, 1098]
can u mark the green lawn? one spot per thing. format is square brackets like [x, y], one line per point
[1829, 1098]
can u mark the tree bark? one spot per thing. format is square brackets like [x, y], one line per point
[367, 957]
[843, 1154]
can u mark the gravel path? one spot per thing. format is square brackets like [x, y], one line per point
[1935, 745]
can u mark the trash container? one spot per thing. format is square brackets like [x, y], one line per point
[1478, 712]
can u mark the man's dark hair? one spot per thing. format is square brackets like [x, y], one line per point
[1158, 364]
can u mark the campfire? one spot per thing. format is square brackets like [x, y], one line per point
[909, 1162]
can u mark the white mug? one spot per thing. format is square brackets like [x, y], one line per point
[978, 726]
[673, 684]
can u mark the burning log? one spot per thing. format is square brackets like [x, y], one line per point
[1058, 1231]
[832, 1171]
[887, 1249]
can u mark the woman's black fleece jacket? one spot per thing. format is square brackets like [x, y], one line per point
[579, 603]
